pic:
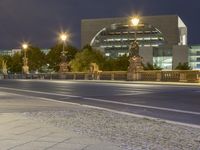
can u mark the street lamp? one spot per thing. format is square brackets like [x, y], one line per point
[135, 22]
[134, 47]
[63, 38]
[25, 47]
[135, 60]
[25, 59]
[64, 66]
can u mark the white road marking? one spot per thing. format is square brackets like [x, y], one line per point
[109, 101]
[113, 111]
[38, 92]
[133, 93]
[144, 106]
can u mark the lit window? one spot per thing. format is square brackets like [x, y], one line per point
[148, 38]
[121, 54]
[154, 38]
[184, 40]
[155, 45]
[124, 46]
[110, 39]
[107, 54]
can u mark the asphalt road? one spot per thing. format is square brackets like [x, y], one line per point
[169, 102]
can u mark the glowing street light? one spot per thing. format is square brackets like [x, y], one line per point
[25, 59]
[64, 66]
[135, 60]
[63, 37]
[134, 47]
[135, 21]
[25, 46]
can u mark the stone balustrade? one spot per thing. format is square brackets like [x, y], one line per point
[157, 76]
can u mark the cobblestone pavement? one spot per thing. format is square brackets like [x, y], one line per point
[21, 133]
[130, 133]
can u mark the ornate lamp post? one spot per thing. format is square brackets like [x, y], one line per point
[25, 67]
[64, 66]
[135, 60]
[135, 21]
[63, 38]
[134, 47]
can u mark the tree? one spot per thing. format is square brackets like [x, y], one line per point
[184, 66]
[53, 58]
[116, 64]
[122, 63]
[85, 57]
[36, 58]
[16, 63]
[149, 66]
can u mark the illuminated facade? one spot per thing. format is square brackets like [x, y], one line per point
[162, 39]
[194, 57]
[115, 40]
[13, 51]
[10, 52]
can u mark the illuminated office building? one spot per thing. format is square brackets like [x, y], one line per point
[162, 39]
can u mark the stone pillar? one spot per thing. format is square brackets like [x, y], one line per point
[158, 76]
[112, 76]
[134, 68]
[183, 77]
[74, 76]
[64, 67]
[86, 76]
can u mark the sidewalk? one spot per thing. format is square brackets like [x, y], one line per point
[20, 133]
[144, 82]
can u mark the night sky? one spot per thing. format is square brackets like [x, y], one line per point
[38, 21]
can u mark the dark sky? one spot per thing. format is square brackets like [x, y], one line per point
[38, 21]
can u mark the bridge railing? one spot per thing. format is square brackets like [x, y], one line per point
[171, 76]
[164, 76]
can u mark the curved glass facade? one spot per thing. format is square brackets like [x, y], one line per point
[115, 40]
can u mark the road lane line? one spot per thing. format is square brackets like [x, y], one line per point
[113, 111]
[109, 101]
[38, 92]
[129, 93]
[144, 106]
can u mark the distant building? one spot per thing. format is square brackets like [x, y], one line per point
[13, 51]
[194, 57]
[10, 52]
[162, 39]
[45, 51]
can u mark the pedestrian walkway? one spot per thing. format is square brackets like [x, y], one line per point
[20, 133]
